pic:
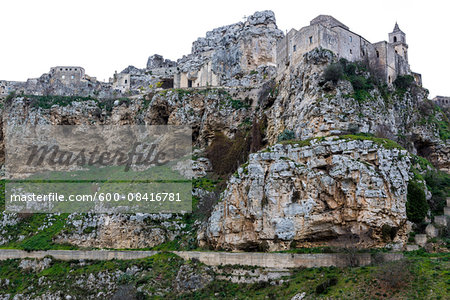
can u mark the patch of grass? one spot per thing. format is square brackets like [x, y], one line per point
[386, 143]
[204, 183]
[47, 102]
[37, 236]
[43, 239]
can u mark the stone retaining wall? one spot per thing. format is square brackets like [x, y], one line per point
[265, 260]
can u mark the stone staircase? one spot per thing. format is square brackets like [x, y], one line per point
[432, 229]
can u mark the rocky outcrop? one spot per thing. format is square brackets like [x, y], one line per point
[236, 49]
[331, 192]
[157, 61]
[119, 231]
[206, 111]
[309, 107]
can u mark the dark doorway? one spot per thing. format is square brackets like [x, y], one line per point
[167, 83]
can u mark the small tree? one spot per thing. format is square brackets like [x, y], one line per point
[404, 82]
[416, 204]
[333, 72]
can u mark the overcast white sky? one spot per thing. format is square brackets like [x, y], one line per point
[107, 35]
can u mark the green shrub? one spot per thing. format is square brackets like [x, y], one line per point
[358, 83]
[238, 104]
[286, 135]
[416, 204]
[324, 286]
[333, 72]
[48, 101]
[10, 97]
[439, 185]
[404, 82]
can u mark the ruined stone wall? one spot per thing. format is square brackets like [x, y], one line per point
[442, 101]
[67, 74]
[121, 82]
[265, 260]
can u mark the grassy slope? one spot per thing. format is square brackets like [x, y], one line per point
[420, 276]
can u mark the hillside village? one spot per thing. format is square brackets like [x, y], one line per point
[229, 52]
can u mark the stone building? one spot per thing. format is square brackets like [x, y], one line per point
[442, 101]
[62, 81]
[67, 75]
[121, 82]
[387, 59]
[159, 73]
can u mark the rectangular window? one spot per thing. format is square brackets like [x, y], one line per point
[310, 39]
[295, 48]
[351, 39]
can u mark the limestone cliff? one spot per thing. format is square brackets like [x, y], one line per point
[331, 192]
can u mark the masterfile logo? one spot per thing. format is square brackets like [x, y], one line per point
[104, 169]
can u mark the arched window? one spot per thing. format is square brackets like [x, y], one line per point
[378, 54]
[395, 39]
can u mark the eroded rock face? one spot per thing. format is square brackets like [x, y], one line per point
[332, 192]
[191, 278]
[119, 231]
